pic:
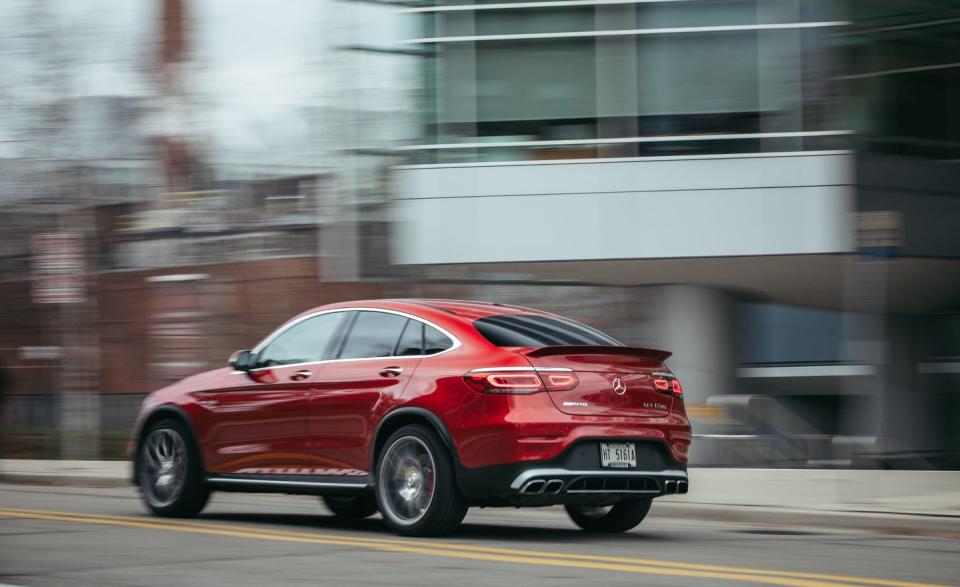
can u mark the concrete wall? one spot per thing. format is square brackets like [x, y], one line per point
[628, 209]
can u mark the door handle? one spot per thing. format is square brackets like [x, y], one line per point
[301, 375]
[391, 371]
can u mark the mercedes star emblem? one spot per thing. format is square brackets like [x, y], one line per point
[619, 387]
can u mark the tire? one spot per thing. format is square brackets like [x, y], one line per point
[352, 507]
[416, 488]
[170, 471]
[620, 517]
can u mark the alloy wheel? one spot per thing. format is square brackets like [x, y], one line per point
[164, 463]
[407, 480]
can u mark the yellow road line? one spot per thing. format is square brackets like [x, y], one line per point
[599, 558]
[463, 551]
[372, 542]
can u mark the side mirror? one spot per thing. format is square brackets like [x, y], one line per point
[242, 360]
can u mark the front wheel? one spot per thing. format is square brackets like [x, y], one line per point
[169, 471]
[416, 489]
[619, 517]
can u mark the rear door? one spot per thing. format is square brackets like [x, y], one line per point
[376, 358]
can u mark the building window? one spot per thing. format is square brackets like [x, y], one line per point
[628, 80]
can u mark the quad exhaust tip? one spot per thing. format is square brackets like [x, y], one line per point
[671, 486]
[535, 486]
[538, 486]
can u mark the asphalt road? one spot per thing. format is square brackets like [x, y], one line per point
[86, 536]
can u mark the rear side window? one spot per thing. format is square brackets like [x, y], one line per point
[374, 334]
[539, 331]
[434, 341]
[420, 339]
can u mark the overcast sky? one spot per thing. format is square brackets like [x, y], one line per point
[257, 65]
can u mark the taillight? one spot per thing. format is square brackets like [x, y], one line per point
[667, 383]
[505, 382]
[560, 381]
[677, 388]
[520, 381]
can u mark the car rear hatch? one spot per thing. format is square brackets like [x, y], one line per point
[614, 381]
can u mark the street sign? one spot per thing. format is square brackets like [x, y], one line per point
[58, 268]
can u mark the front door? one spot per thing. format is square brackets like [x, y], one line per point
[258, 420]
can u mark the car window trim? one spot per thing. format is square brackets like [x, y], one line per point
[272, 336]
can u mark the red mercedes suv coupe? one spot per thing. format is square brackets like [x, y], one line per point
[419, 409]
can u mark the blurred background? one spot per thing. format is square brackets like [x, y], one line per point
[768, 188]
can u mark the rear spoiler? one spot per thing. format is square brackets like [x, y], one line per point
[547, 351]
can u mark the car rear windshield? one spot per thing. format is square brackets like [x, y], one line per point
[539, 331]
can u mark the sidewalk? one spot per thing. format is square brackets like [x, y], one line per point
[901, 501]
[926, 493]
[70, 473]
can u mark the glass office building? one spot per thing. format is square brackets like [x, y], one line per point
[559, 79]
[775, 180]
[568, 80]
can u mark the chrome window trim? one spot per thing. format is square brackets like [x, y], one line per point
[273, 335]
[627, 140]
[633, 32]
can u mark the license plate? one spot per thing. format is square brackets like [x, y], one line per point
[618, 455]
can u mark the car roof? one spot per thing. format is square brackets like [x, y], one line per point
[472, 310]
[463, 309]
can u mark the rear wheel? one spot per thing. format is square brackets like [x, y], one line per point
[169, 471]
[619, 517]
[416, 489]
[351, 506]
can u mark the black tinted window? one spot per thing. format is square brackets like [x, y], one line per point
[411, 341]
[538, 331]
[304, 342]
[434, 341]
[374, 334]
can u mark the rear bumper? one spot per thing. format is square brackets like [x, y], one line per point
[557, 481]
[575, 476]
[491, 430]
